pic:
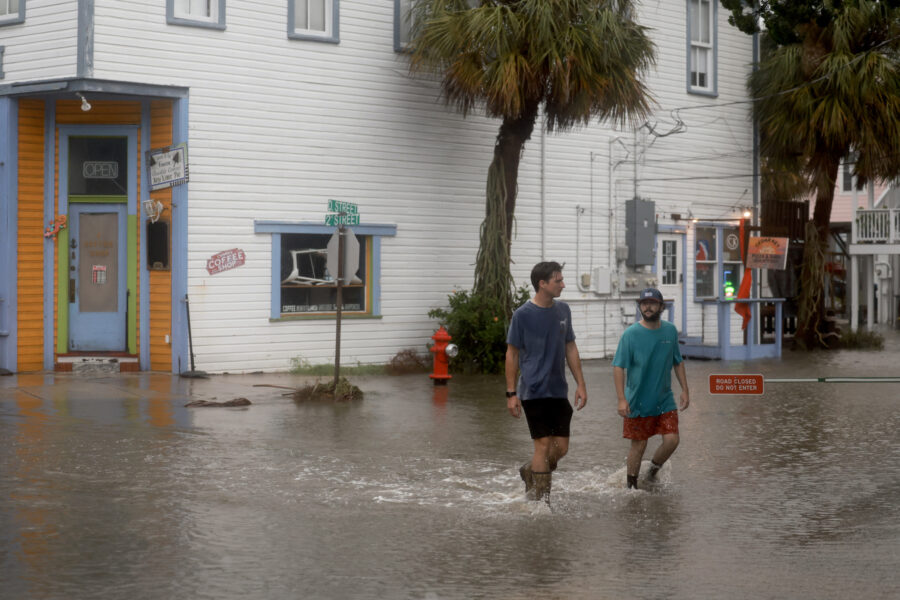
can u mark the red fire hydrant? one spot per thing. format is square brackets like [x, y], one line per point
[443, 352]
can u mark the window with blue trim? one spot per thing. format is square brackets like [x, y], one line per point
[313, 20]
[702, 46]
[706, 263]
[196, 13]
[303, 285]
[12, 12]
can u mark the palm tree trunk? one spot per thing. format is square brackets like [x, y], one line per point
[812, 292]
[508, 153]
[492, 274]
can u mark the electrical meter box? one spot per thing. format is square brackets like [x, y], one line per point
[640, 231]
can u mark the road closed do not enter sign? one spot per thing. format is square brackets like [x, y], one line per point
[736, 384]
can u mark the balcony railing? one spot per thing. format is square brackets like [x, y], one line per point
[876, 226]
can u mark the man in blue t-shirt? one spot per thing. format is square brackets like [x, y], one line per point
[648, 351]
[540, 343]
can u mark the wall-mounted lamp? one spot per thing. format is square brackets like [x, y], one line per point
[85, 105]
[747, 213]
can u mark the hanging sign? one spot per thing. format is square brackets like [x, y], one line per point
[767, 253]
[167, 166]
[225, 260]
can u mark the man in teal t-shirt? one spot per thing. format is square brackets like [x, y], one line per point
[647, 353]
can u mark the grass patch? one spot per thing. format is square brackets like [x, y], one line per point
[404, 362]
[301, 367]
[861, 340]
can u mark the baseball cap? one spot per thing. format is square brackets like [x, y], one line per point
[651, 294]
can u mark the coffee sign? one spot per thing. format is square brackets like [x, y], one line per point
[225, 260]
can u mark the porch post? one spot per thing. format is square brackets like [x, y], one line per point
[854, 292]
[9, 180]
[870, 291]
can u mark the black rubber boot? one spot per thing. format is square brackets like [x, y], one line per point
[526, 475]
[653, 471]
[542, 484]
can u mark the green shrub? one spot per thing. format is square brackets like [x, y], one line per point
[861, 340]
[478, 326]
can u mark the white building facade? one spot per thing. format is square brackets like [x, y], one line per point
[281, 106]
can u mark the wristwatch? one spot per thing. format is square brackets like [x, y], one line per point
[511, 394]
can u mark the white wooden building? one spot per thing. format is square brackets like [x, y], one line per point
[282, 109]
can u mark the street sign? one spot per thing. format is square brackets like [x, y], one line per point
[336, 206]
[335, 220]
[351, 256]
[736, 384]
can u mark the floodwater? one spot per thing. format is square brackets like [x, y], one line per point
[111, 488]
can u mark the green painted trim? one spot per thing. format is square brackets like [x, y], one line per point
[131, 240]
[62, 296]
[99, 199]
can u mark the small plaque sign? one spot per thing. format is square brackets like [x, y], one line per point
[225, 260]
[168, 166]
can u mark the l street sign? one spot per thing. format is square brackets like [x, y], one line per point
[337, 206]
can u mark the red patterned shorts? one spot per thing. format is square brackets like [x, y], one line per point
[643, 428]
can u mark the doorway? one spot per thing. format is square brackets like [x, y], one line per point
[669, 268]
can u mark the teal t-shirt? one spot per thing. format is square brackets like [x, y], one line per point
[648, 356]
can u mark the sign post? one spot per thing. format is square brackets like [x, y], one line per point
[340, 214]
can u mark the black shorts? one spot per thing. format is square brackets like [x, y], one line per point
[548, 416]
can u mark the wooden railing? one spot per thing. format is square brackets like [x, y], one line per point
[876, 226]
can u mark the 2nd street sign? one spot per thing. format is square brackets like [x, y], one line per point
[336, 206]
[336, 220]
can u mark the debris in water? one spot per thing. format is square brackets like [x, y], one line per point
[343, 392]
[235, 402]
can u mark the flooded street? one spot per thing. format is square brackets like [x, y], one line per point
[111, 488]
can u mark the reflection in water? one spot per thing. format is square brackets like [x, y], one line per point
[111, 488]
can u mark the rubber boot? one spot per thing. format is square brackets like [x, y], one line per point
[526, 475]
[653, 472]
[542, 484]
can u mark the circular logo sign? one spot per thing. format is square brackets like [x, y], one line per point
[731, 242]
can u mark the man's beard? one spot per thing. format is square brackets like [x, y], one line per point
[653, 318]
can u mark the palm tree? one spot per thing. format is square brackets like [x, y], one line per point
[572, 59]
[828, 88]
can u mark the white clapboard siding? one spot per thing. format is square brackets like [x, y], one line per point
[278, 126]
[45, 45]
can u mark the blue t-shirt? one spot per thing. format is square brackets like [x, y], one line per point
[540, 334]
[648, 356]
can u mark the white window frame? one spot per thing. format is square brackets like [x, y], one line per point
[12, 16]
[669, 264]
[175, 15]
[331, 33]
[847, 178]
[702, 46]
[402, 24]
[719, 263]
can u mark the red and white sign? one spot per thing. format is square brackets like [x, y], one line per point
[225, 260]
[736, 384]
